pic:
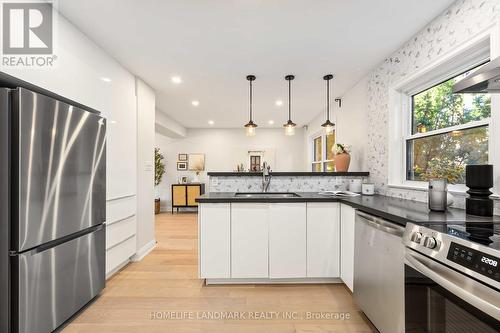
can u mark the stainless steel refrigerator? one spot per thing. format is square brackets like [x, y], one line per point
[52, 206]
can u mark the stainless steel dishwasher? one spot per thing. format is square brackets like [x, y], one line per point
[379, 271]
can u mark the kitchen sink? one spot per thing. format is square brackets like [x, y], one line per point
[266, 195]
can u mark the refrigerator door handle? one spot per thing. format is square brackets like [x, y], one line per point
[49, 245]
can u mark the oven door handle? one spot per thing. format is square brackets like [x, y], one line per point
[469, 290]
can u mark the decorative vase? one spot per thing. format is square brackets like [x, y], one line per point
[157, 206]
[342, 162]
[479, 180]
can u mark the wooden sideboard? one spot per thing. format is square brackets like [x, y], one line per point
[184, 195]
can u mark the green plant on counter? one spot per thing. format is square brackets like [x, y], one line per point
[159, 166]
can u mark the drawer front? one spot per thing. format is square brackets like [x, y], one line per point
[179, 195]
[192, 193]
[120, 231]
[119, 254]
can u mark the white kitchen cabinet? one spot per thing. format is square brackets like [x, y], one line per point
[249, 240]
[287, 240]
[215, 240]
[347, 218]
[323, 240]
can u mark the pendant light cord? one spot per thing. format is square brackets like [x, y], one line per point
[289, 100]
[328, 100]
[250, 100]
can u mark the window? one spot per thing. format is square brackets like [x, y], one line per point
[322, 152]
[448, 131]
[255, 163]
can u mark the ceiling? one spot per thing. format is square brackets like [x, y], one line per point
[213, 44]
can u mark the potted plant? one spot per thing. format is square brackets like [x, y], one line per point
[341, 157]
[159, 172]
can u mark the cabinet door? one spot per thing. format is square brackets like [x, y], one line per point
[249, 240]
[193, 191]
[215, 240]
[287, 240]
[179, 195]
[323, 239]
[347, 218]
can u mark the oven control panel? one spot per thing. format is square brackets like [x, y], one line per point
[477, 261]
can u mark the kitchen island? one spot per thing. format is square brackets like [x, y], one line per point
[306, 238]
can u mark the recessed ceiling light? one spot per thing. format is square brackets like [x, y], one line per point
[106, 79]
[211, 122]
[176, 79]
[279, 102]
[271, 122]
[195, 103]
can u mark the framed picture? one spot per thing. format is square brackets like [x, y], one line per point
[182, 166]
[182, 157]
[196, 162]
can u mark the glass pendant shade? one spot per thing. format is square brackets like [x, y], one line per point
[250, 126]
[328, 126]
[289, 126]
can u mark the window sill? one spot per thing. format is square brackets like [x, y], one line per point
[460, 191]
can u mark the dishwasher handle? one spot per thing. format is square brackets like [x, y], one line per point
[381, 224]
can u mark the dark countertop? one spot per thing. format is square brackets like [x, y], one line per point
[291, 174]
[398, 210]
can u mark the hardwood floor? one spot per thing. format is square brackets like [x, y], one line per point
[143, 294]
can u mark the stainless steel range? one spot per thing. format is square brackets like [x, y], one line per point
[452, 277]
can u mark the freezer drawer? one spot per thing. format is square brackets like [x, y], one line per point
[59, 159]
[57, 282]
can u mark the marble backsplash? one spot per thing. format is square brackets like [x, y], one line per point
[280, 183]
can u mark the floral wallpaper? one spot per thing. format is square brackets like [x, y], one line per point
[458, 23]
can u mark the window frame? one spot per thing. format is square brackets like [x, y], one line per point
[323, 160]
[485, 122]
[479, 49]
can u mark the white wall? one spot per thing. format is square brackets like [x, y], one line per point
[145, 169]
[77, 74]
[350, 126]
[225, 148]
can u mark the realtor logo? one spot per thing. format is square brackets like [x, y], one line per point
[27, 28]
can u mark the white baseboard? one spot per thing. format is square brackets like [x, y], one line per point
[144, 251]
[273, 281]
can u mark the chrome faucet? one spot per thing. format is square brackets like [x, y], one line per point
[266, 176]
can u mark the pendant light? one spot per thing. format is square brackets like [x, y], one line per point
[289, 125]
[250, 126]
[328, 125]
